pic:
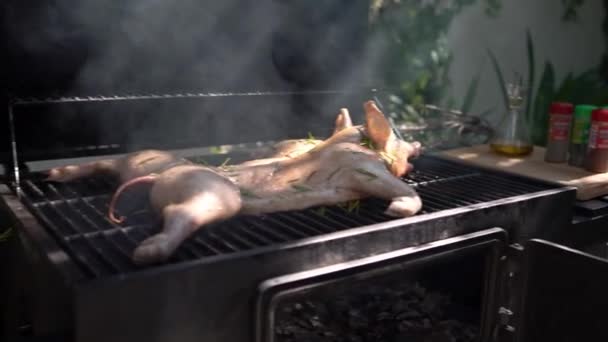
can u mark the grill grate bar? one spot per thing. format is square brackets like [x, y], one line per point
[459, 194]
[208, 249]
[439, 197]
[239, 241]
[488, 187]
[320, 221]
[353, 218]
[89, 266]
[110, 262]
[222, 244]
[297, 223]
[255, 236]
[277, 236]
[282, 226]
[435, 180]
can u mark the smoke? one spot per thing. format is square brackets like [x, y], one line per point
[97, 47]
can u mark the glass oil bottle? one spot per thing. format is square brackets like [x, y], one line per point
[512, 137]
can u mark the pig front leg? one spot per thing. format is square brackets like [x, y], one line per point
[376, 181]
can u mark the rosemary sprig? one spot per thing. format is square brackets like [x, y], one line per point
[367, 142]
[388, 157]
[370, 175]
[215, 149]
[6, 234]
[350, 206]
[353, 206]
[333, 173]
[223, 165]
[320, 211]
[310, 175]
[247, 193]
[300, 188]
[200, 160]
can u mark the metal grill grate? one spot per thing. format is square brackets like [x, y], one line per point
[75, 215]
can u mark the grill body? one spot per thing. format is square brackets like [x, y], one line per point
[208, 289]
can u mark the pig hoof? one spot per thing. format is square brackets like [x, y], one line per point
[404, 206]
[156, 248]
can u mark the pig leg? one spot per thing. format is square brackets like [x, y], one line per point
[343, 121]
[71, 172]
[180, 221]
[382, 184]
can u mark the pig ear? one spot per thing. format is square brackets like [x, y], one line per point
[378, 127]
[343, 121]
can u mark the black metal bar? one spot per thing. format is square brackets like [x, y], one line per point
[290, 220]
[184, 95]
[14, 154]
[244, 229]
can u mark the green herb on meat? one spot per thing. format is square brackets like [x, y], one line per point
[215, 149]
[333, 173]
[320, 211]
[200, 160]
[247, 193]
[310, 175]
[141, 162]
[389, 158]
[367, 142]
[223, 165]
[370, 175]
[6, 234]
[353, 206]
[300, 188]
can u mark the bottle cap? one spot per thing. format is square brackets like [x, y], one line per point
[583, 112]
[561, 108]
[600, 114]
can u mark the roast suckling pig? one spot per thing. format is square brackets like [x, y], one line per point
[353, 163]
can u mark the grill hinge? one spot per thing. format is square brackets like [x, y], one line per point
[506, 327]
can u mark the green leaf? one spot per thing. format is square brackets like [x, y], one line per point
[470, 95]
[300, 188]
[531, 70]
[501, 79]
[320, 211]
[565, 87]
[370, 175]
[247, 193]
[544, 96]
[4, 236]
[225, 162]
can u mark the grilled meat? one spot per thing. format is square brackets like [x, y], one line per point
[299, 176]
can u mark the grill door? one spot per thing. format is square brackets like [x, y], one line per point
[566, 295]
[400, 295]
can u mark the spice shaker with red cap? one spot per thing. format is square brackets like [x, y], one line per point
[597, 149]
[558, 140]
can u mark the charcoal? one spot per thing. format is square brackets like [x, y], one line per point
[373, 313]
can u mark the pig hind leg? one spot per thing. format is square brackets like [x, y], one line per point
[180, 221]
[72, 172]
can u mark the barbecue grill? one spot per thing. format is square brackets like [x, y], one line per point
[485, 238]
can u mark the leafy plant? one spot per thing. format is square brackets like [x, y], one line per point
[586, 88]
